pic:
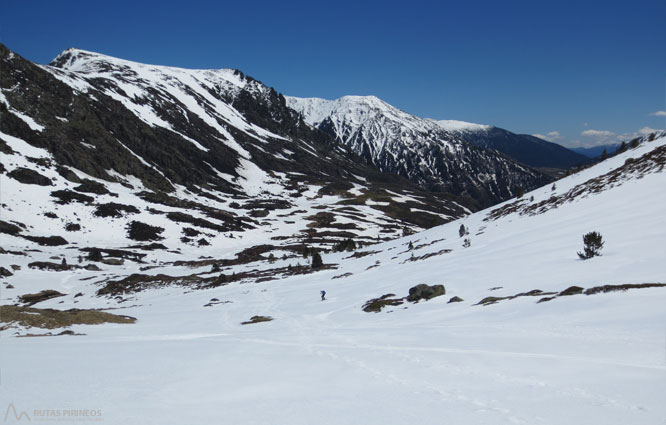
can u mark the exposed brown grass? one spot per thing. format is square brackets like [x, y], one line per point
[48, 318]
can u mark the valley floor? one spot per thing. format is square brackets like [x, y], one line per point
[556, 362]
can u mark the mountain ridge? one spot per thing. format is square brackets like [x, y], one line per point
[416, 148]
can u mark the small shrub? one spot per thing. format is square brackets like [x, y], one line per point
[593, 242]
[467, 243]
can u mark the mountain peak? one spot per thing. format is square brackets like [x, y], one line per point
[87, 62]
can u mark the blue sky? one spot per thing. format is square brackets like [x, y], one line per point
[579, 73]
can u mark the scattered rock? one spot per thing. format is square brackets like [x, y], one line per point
[72, 227]
[9, 228]
[375, 305]
[113, 261]
[15, 267]
[425, 292]
[614, 288]
[28, 176]
[56, 267]
[67, 196]
[91, 186]
[44, 295]
[115, 210]
[545, 299]
[139, 231]
[491, 300]
[5, 273]
[455, 300]
[572, 290]
[215, 301]
[257, 319]
[47, 240]
[188, 231]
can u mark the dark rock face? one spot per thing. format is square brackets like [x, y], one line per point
[425, 292]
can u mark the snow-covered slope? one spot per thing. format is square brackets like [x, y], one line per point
[534, 354]
[417, 148]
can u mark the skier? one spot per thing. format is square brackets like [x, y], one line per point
[323, 295]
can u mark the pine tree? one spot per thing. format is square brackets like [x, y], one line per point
[520, 192]
[462, 231]
[593, 242]
[604, 155]
[316, 260]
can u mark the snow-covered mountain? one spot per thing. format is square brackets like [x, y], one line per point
[419, 149]
[527, 149]
[99, 152]
[526, 331]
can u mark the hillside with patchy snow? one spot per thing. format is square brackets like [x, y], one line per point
[526, 333]
[103, 156]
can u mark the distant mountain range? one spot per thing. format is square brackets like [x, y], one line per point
[525, 148]
[596, 151]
